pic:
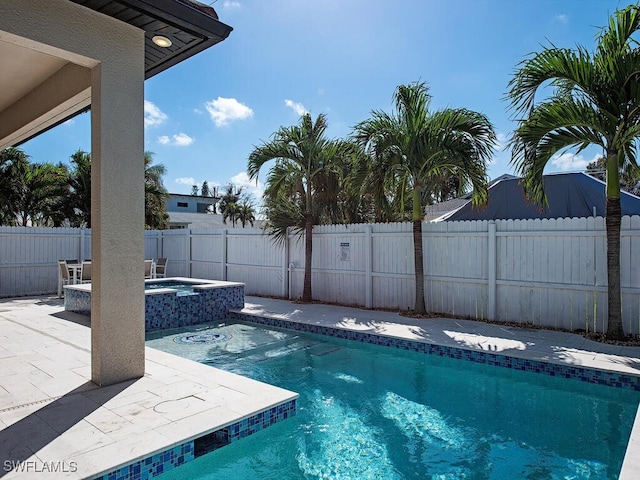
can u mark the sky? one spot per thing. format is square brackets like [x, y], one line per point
[344, 58]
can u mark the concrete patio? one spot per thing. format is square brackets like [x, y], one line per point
[51, 412]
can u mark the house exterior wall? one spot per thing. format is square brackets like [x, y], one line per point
[188, 203]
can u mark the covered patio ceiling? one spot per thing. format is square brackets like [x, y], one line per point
[28, 75]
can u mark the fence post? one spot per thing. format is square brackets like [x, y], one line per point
[223, 262]
[188, 251]
[491, 271]
[285, 266]
[368, 261]
[82, 257]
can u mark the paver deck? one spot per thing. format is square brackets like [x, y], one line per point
[533, 344]
[50, 411]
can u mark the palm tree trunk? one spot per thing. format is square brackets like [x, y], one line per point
[615, 330]
[308, 248]
[419, 268]
[417, 250]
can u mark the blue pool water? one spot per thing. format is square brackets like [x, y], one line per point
[370, 412]
[182, 287]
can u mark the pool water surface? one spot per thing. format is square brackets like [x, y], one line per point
[370, 412]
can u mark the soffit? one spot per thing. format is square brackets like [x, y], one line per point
[22, 70]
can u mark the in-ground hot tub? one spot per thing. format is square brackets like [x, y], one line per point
[172, 302]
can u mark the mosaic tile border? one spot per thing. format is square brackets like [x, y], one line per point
[171, 458]
[171, 310]
[154, 465]
[245, 427]
[589, 375]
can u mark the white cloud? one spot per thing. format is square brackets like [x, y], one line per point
[296, 107]
[198, 111]
[562, 18]
[225, 110]
[321, 91]
[186, 181]
[179, 140]
[571, 162]
[231, 4]
[242, 180]
[183, 140]
[152, 114]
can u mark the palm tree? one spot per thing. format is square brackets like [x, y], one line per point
[246, 214]
[13, 162]
[413, 147]
[303, 155]
[629, 176]
[39, 198]
[229, 204]
[80, 186]
[155, 194]
[595, 100]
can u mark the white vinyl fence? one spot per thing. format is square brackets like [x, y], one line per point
[542, 272]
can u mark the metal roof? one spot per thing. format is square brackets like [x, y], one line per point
[568, 194]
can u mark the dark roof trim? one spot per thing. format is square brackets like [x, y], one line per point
[201, 21]
[198, 21]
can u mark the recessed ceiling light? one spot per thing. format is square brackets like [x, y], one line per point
[161, 41]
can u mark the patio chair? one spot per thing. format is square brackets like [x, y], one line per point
[161, 268]
[63, 276]
[85, 272]
[148, 269]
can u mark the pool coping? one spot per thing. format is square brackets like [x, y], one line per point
[198, 284]
[616, 370]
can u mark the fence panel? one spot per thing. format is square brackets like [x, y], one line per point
[29, 258]
[255, 259]
[206, 254]
[543, 272]
[176, 247]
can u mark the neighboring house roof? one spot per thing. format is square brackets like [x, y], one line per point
[568, 195]
[191, 26]
[434, 212]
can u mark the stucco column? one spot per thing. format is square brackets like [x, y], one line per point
[117, 214]
[113, 52]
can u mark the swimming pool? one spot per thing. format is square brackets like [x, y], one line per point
[367, 411]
